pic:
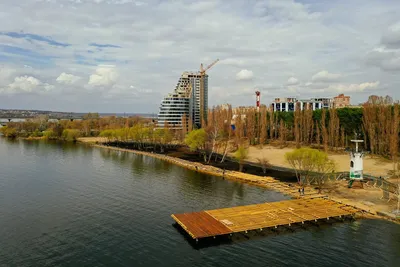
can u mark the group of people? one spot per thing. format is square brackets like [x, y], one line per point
[301, 191]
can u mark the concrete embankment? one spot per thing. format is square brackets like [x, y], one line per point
[266, 182]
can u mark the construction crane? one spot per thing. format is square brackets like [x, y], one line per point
[203, 71]
[203, 113]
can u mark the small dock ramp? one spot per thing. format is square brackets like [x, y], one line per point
[211, 223]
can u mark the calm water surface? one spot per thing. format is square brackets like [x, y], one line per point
[73, 205]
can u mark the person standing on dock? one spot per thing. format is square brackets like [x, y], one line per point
[299, 191]
[302, 191]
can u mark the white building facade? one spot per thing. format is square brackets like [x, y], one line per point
[287, 104]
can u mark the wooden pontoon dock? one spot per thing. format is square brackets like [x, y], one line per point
[212, 223]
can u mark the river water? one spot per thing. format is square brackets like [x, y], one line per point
[74, 205]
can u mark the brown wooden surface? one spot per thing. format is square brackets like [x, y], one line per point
[251, 217]
[201, 224]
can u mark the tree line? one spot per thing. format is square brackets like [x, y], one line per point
[333, 129]
[226, 131]
[90, 126]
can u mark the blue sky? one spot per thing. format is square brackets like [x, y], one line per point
[33, 37]
[125, 55]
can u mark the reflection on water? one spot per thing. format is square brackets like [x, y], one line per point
[64, 204]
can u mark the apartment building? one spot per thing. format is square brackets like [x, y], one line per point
[341, 101]
[287, 104]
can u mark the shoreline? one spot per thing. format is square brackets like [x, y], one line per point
[288, 189]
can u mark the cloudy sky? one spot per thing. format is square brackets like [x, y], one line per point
[125, 55]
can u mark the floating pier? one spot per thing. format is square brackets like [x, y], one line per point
[212, 223]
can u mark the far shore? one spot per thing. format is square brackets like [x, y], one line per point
[367, 200]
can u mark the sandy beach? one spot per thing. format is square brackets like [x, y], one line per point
[376, 166]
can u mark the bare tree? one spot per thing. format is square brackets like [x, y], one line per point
[251, 125]
[307, 126]
[343, 138]
[394, 149]
[184, 121]
[264, 162]
[213, 133]
[271, 124]
[263, 126]
[324, 131]
[282, 133]
[333, 128]
[318, 135]
[297, 120]
[227, 131]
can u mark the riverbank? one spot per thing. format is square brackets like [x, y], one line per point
[365, 206]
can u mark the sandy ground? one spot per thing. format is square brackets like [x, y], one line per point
[92, 139]
[375, 166]
[369, 197]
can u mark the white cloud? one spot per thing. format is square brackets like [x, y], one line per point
[244, 75]
[352, 88]
[105, 75]
[6, 73]
[325, 76]
[387, 55]
[292, 81]
[155, 47]
[48, 87]
[67, 78]
[24, 84]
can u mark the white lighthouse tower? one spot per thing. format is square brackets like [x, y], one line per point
[356, 163]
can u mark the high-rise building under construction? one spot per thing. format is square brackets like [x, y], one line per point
[187, 105]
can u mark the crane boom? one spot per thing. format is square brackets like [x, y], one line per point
[203, 71]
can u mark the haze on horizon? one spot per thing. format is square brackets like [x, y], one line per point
[125, 55]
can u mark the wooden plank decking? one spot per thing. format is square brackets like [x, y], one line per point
[201, 224]
[265, 215]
